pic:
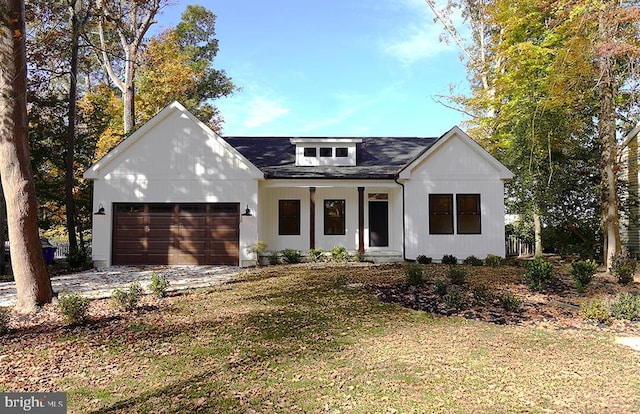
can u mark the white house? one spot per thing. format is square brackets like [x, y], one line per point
[174, 192]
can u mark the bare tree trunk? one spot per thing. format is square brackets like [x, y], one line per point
[3, 233]
[537, 234]
[29, 269]
[607, 133]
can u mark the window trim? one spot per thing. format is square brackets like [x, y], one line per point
[477, 213]
[309, 152]
[433, 214]
[328, 219]
[325, 155]
[281, 218]
[342, 152]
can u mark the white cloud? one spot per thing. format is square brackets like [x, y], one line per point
[416, 43]
[262, 111]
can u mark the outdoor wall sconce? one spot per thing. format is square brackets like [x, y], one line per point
[247, 212]
[100, 211]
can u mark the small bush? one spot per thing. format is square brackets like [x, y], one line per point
[595, 310]
[127, 300]
[77, 258]
[482, 295]
[582, 272]
[449, 259]
[422, 259]
[539, 273]
[413, 274]
[473, 261]
[457, 275]
[258, 249]
[625, 306]
[291, 256]
[5, 316]
[359, 257]
[159, 285]
[493, 260]
[315, 255]
[454, 300]
[441, 287]
[623, 267]
[340, 254]
[510, 302]
[73, 308]
[274, 258]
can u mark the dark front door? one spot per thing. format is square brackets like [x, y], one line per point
[378, 224]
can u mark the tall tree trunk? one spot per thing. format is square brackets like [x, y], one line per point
[3, 233]
[29, 269]
[607, 134]
[537, 234]
[71, 127]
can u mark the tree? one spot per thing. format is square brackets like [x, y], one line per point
[128, 21]
[29, 269]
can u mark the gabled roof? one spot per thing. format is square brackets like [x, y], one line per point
[377, 157]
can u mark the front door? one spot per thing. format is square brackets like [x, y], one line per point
[378, 223]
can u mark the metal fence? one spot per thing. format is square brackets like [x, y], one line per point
[516, 247]
[62, 249]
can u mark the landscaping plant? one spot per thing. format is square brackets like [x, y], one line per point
[595, 310]
[493, 260]
[510, 302]
[539, 273]
[159, 285]
[413, 274]
[623, 267]
[582, 272]
[340, 254]
[291, 256]
[449, 259]
[473, 261]
[457, 275]
[127, 300]
[73, 308]
[315, 255]
[625, 306]
[422, 259]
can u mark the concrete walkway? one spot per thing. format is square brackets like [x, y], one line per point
[100, 283]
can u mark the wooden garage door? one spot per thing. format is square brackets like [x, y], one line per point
[176, 233]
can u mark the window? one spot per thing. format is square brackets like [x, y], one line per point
[309, 152]
[468, 213]
[342, 152]
[326, 152]
[440, 213]
[289, 217]
[334, 217]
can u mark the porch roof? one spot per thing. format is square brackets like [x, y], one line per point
[376, 157]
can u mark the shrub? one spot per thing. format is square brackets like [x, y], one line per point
[482, 294]
[539, 273]
[77, 258]
[441, 287]
[422, 259]
[291, 256]
[454, 300]
[457, 275]
[159, 285]
[340, 254]
[315, 255]
[359, 257]
[274, 258]
[582, 272]
[623, 267]
[127, 301]
[73, 308]
[625, 306]
[4, 319]
[257, 249]
[449, 259]
[473, 261]
[413, 274]
[510, 302]
[493, 260]
[595, 310]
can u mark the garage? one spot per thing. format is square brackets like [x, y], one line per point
[176, 233]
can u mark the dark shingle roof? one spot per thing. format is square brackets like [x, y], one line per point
[377, 157]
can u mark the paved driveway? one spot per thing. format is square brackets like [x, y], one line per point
[100, 283]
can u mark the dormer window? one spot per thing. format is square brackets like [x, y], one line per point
[326, 151]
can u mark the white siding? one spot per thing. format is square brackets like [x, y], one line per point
[454, 169]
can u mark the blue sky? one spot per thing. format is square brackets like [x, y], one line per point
[332, 68]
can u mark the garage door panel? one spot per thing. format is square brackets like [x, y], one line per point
[176, 233]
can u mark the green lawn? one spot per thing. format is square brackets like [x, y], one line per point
[298, 339]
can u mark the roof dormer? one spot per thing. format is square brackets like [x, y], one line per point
[326, 151]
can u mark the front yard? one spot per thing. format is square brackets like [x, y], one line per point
[328, 338]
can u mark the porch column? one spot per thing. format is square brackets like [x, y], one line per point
[361, 220]
[312, 217]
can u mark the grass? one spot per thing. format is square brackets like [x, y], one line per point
[296, 341]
